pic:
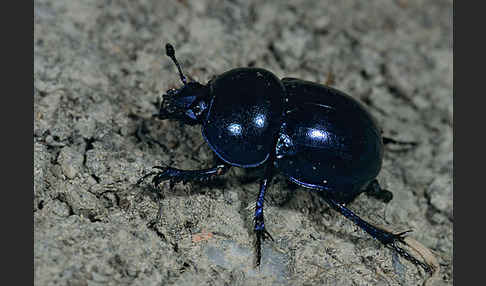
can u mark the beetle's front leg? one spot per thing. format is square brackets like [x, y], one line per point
[174, 175]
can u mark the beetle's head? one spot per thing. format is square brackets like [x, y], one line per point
[187, 104]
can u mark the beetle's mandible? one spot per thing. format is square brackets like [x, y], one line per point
[314, 135]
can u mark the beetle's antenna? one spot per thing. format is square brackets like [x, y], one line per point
[169, 50]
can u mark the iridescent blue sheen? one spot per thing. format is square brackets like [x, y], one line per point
[316, 136]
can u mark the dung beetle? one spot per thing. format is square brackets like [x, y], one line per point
[316, 136]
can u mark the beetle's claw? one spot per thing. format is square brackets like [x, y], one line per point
[400, 236]
[144, 177]
[259, 237]
[166, 173]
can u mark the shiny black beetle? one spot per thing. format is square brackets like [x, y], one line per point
[316, 136]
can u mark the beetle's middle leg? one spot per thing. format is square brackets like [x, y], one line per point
[260, 231]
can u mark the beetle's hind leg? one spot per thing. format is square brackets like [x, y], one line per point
[374, 190]
[387, 238]
[381, 235]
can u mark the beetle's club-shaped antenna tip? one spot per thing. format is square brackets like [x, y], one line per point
[170, 51]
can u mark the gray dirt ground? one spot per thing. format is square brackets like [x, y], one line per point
[100, 65]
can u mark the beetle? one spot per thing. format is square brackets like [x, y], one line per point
[316, 136]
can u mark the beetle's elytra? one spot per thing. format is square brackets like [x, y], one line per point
[316, 136]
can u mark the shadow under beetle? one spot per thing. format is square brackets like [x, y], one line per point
[316, 136]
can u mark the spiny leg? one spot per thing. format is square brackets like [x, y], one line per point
[260, 231]
[383, 236]
[387, 238]
[374, 189]
[177, 175]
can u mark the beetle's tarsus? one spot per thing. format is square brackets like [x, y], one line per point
[261, 235]
[400, 236]
[403, 253]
